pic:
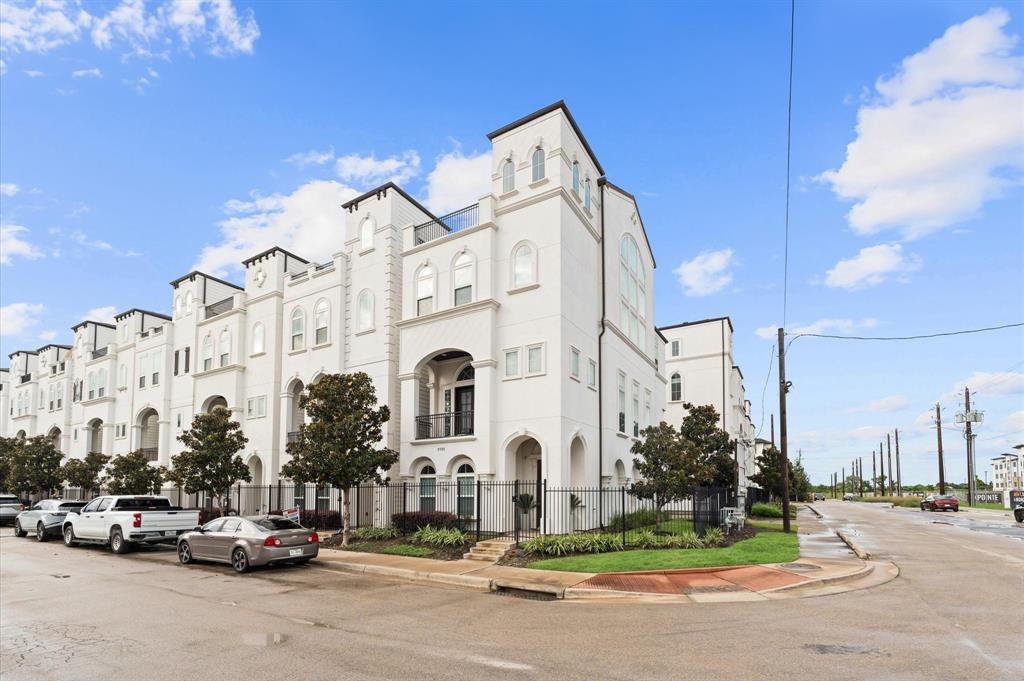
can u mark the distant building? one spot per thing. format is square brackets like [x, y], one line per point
[1008, 470]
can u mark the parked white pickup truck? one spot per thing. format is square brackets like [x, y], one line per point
[121, 521]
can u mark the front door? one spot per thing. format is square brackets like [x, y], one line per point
[464, 411]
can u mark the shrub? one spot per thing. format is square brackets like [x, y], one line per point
[376, 533]
[581, 542]
[646, 539]
[411, 521]
[766, 511]
[208, 514]
[645, 517]
[713, 536]
[440, 536]
[320, 519]
[407, 550]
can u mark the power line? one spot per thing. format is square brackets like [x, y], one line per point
[789, 146]
[764, 390]
[904, 338]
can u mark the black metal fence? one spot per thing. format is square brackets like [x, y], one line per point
[464, 218]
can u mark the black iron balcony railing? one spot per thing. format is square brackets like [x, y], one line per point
[220, 307]
[450, 424]
[150, 453]
[96, 354]
[293, 436]
[25, 378]
[461, 219]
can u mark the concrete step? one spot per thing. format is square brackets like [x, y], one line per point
[483, 559]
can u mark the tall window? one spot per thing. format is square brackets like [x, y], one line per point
[123, 383]
[676, 387]
[101, 382]
[576, 178]
[574, 362]
[208, 352]
[632, 291]
[622, 402]
[225, 348]
[259, 339]
[534, 359]
[188, 303]
[512, 363]
[157, 359]
[298, 334]
[321, 322]
[425, 291]
[647, 408]
[591, 373]
[586, 194]
[524, 269]
[636, 409]
[508, 177]
[465, 480]
[143, 370]
[463, 279]
[364, 310]
[428, 488]
[179, 306]
[675, 348]
[538, 164]
[366, 228]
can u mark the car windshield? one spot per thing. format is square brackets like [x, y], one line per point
[946, 496]
[271, 524]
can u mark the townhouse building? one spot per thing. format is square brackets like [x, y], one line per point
[512, 339]
[1008, 470]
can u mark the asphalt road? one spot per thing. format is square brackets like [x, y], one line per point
[955, 612]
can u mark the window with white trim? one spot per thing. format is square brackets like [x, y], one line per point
[259, 338]
[508, 176]
[364, 310]
[576, 178]
[208, 352]
[428, 488]
[425, 290]
[586, 194]
[256, 407]
[676, 388]
[647, 408]
[101, 382]
[636, 409]
[188, 303]
[298, 329]
[524, 265]
[574, 363]
[157, 358]
[632, 292]
[621, 403]
[143, 370]
[535, 359]
[465, 486]
[675, 348]
[591, 373]
[225, 348]
[538, 164]
[366, 229]
[512, 363]
[321, 322]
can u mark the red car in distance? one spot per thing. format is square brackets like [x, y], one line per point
[940, 502]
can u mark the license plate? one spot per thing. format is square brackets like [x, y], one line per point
[169, 533]
[295, 552]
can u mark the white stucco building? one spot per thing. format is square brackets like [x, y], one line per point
[700, 369]
[513, 339]
[1008, 470]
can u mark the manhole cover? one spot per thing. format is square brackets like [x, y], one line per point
[800, 567]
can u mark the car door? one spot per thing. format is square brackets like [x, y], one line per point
[224, 539]
[85, 517]
[95, 523]
[201, 542]
[29, 518]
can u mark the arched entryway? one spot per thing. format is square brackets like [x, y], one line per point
[445, 395]
[149, 434]
[577, 463]
[256, 470]
[524, 463]
[296, 414]
[94, 435]
[21, 435]
[213, 402]
[54, 436]
[620, 473]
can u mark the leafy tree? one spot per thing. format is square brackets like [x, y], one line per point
[700, 429]
[86, 473]
[132, 474]
[35, 466]
[340, 446]
[8, 445]
[210, 464]
[669, 467]
[769, 472]
[799, 483]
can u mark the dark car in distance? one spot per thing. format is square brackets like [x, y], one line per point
[940, 502]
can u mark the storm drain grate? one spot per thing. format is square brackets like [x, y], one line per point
[523, 593]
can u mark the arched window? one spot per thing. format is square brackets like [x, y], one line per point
[425, 290]
[586, 194]
[208, 352]
[465, 482]
[462, 279]
[321, 322]
[259, 339]
[467, 373]
[576, 178]
[179, 306]
[188, 303]
[123, 383]
[364, 310]
[524, 265]
[508, 177]
[538, 164]
[632, 292]
[366, 228]
[677, 387]
[428, 488]
[298, 331]
[101, 383]
[225, 348]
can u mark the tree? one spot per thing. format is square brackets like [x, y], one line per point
[87, 473]
[700, 429]
[210, 464]
[340, 446]
[799, 483]
[35, 466]
[669, 467]
[8, 445]
[132, 474]
[769, 472]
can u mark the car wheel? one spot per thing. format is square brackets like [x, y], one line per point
[41, 532]
[185, 553]
[956, 510]
[117, 543]
[240, 561]
[18, 532]
[69, 535]
[1018, 515]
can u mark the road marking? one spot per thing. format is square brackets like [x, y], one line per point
[1005, 557]
[499, 664]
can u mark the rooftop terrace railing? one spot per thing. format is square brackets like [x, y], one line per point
[461, 219]
[219, 307]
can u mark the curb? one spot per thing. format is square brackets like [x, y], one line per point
[864, 570]
[814, 510]
[534, 587]
[854, 546]
[462, 581]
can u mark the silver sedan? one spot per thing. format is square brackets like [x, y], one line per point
[249, 542]
[44, 518]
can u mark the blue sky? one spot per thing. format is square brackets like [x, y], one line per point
[140, 140]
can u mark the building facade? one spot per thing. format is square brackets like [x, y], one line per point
[1008, 470]
[512, 339]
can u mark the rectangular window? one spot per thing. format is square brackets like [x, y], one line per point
[321, 335]
[155, 361]
[463, 284]
[207, 364]
[256, 407]
[622, 402]
[142, 380]
[424, 306]
[176, 352]
[636, 409]
[143, 370]
[591, 373]
[512, 363]
[647, 408]
[188, 351]
[225, 357]
[675, 348]
[179, 421]
[428, 493]
[534, 359]
[574, 362]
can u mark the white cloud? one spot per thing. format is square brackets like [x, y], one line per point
[13, 245]
[3, 64]
[49, 24]
[101, 314]
[767, 332]
[872, 266]
[942, 133]
[32, 73]
[82, 239]
[308, 222]
[311, 158]
[368, 170]
[705, 274]
[989, 384]
[47, 335]
[884, 405]
[457, 181]
[17, 318]
[1015, 421]
[87, 73]
[9, 189]
[825, 325]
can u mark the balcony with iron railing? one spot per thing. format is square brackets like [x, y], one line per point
[25, 378]
[449, 424]
[220, 307]
[150, 453]
[102, 352]
[293, 436]
[451, 223]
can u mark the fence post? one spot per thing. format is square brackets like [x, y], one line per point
[622, 511]
[479, 518]
[515, 511]
[358, 494]
[544, 506]
[239, 488]
[404, 498]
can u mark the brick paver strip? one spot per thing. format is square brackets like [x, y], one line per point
[759, 578]
[645, 583]
[701, 582]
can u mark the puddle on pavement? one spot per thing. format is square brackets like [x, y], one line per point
[263, 639]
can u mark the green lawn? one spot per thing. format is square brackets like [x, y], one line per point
[765, 547]
[674, 526]
[989, 505]
[408, 550]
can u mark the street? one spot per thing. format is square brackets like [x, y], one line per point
[82, 613]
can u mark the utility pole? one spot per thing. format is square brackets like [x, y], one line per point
[881, 466]
[968, 420]
[860, 475]
[899, 476]
[783, 389]
[938, 432]
[874, 476]
[888, 444]
[773, 429]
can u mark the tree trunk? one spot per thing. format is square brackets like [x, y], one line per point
[346, 505]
